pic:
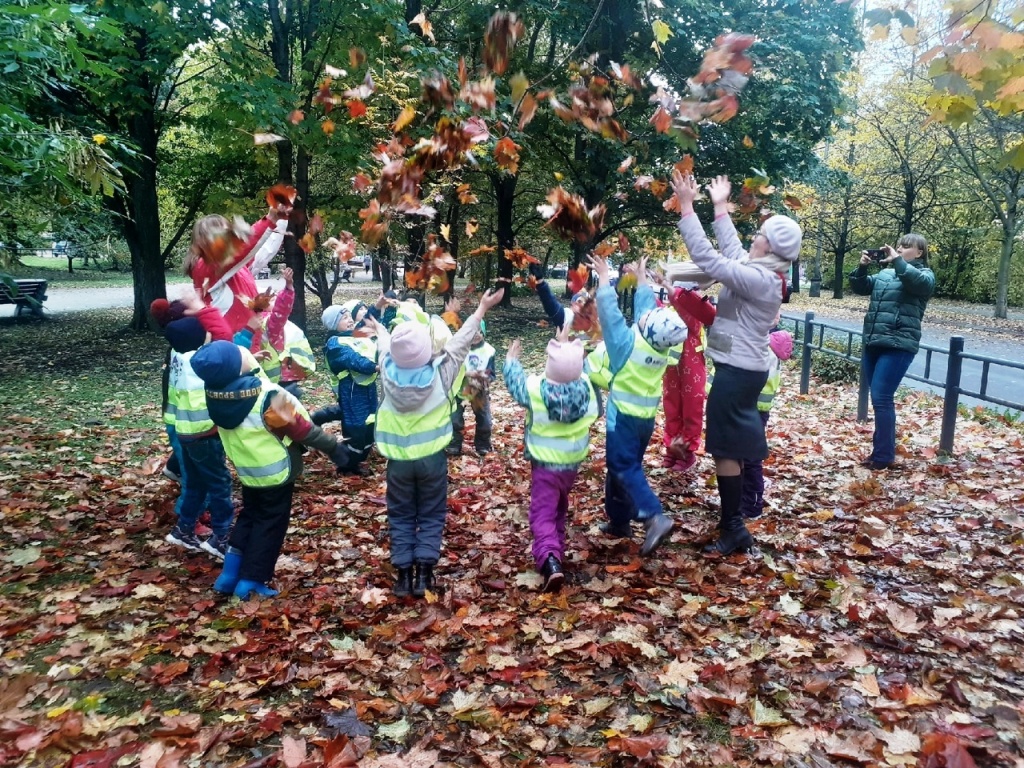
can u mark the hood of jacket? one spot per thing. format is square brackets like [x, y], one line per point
[229, 406]
[566, 402]
[409, 388]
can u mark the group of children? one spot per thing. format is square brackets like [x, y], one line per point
[233, 388]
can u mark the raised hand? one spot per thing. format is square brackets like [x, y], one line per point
[490, 299]
[453, 305]
[514, 350]
[289, 276]
[600, 266]
[719, 190]
[685, 188]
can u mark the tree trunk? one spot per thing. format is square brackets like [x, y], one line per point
[504, 185]
[1005, 255]
[140, 222]
[454, 222]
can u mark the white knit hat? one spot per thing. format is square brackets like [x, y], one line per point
[662, 328]
[784, 236]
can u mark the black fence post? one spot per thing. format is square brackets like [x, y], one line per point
[805, 359]
[951, 400]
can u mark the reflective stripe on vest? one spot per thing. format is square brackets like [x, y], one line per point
[415, 435]
[260, 457]
[296, 346]
[675, 354]
[554, 442]
[361, 346]
[186, 397]
[636, 389]
[767, 396]
[598, 367]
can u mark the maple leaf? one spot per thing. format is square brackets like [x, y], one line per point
[361, 182]
[307, 243]
[578, 278]
[356, 109]
[566, 214]
[472, 226]
[466, 196]
[405, 117]
[281, 195]
[420, 20]
[356, 57]
[527, 110]
[483, 249]
[520, 259]
[661, 120]
[506, 155]
[503, 32]
[327, 126]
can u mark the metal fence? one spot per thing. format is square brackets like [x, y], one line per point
[812, 337]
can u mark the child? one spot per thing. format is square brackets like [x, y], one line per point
[262, 427]
[413, 427]
[205, 479]
[683, 391]
[351, 355]
[780, 344]
[280, 345]
[561, 405]
[224, 276]
[753, 287]
[479, 368]
[637, 359]
[575, 317]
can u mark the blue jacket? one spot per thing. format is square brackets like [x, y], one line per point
[358, 401]
[618, 337]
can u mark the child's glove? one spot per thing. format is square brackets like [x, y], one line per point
[537, 270]
[341, 456]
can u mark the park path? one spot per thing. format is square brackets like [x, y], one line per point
[1007, 384]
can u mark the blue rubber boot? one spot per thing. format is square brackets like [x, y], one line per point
[228, 579]
[246, 589]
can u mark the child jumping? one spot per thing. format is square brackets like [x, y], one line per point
[262, 428]
[414, 426]
[637, 359]
[561, 405]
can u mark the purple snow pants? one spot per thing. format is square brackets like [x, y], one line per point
[549, 508]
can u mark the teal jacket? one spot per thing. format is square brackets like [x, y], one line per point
[898, 298]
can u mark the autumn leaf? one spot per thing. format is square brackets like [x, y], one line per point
[327, 126]
[281, 195]
[527, 110]
[518, 84]
[425, 26]
[356, 57]
[520, 258]
[266, 138]
[506, 155]
[356, 109]
[625, 164]
[579, 278]
[503, 32]
[405, 117]
[472, 225]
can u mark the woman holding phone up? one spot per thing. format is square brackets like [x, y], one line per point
[892, 331]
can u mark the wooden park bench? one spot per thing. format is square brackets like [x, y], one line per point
[26, 294]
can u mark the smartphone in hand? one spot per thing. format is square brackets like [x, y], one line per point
[876, 254]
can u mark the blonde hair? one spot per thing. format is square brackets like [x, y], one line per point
[914, 240]
[205, 231]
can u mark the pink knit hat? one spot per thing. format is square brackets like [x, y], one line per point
[410, 345]
[565, 361]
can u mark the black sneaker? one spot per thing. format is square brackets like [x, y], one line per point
[616, 531]
[453, 450]
[553, 574]
[188, 541]
[216, 545]
[171, 475]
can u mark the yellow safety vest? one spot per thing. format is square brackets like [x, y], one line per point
[409, 310]
[555, 442]
[598, 367]
[362, 346]
[415, 435]
[260, 457]
[636, 389]
[767, 396]
[186, 398]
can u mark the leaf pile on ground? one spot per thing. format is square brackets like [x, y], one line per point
[880, 624]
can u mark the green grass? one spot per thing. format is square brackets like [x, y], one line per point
[55, 270]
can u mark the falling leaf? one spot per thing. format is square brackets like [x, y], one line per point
[518, 84]
[356, 57]
[662, 31]
[296, 116]
[266, 138]
[446, 232]
[307, 242]
[748, 142]
[356, 109]
[327, 126]
[506, 155]
[426, 28]
[625, 164]
[472, 225]
[527, 110]
[503, 32]
[405, 117]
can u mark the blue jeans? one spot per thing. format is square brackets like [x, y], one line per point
[627, 495]
[205, 484]
[172, 438]
[883, 370]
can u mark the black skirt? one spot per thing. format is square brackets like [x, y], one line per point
[734, 426]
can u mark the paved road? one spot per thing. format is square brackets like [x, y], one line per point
[1004, 383]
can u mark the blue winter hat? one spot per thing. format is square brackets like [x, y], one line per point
[218, 364]
[185, 335]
